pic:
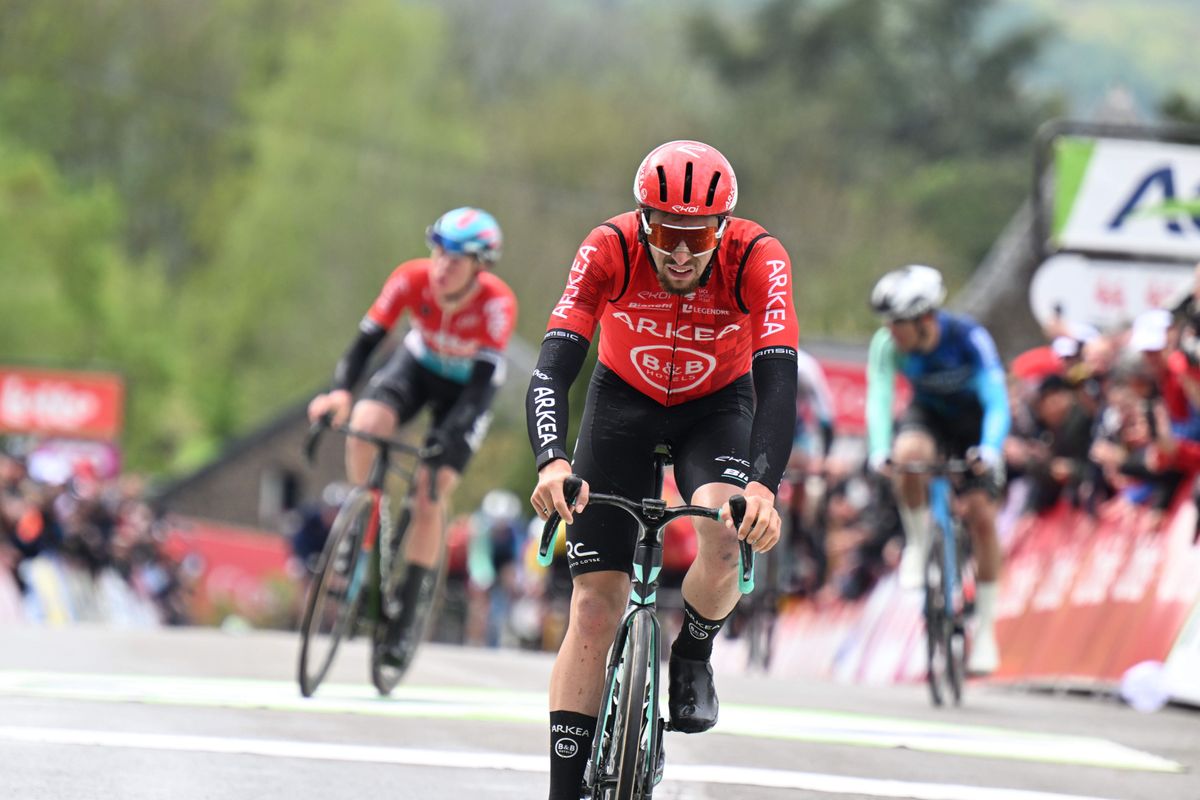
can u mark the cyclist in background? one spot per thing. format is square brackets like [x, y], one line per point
[451, 359]
[697, 349]
[959, 408]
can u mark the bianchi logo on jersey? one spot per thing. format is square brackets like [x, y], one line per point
[689, 368]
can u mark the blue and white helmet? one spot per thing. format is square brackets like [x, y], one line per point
[466, 230]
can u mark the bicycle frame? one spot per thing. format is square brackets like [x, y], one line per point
[651, 515]
[940, 498]
[374, 566]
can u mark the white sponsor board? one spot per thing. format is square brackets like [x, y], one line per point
[1183, 665]
[1127, 196]
[1106, 294]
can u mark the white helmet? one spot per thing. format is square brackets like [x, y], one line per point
[908, 292]
[501, 505]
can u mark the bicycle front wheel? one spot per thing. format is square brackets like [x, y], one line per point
[627, 769]
[335, 595]
[943, 630]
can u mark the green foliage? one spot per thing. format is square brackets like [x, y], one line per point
[76, 300]
[207, 196]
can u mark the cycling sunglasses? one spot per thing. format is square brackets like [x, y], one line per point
[700, 240]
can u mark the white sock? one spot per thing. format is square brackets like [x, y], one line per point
[985, 603]
[916, 522]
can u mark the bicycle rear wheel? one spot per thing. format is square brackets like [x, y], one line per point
[335, 596]
[624, 758]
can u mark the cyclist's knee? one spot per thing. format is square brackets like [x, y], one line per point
[597, 604]
[371, 416]
[913, 447]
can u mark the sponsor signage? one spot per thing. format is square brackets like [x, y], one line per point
[848, 385]
[1104, 293]
[83, 405]
[1126, 196]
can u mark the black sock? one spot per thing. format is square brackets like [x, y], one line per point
[570, 749]
[415, 593]
[695, 639]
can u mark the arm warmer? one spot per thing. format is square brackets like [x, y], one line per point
[474, 399]
[774, 419]
[546, 410]
[350, 368]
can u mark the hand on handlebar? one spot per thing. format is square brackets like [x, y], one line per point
[548, 496]
[336, 403]
[760, 527]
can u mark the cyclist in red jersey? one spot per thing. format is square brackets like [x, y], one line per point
[697, 350]
[451, 359]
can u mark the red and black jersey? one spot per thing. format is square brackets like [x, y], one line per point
[676, 348]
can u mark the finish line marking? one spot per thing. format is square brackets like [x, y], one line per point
[423, 702]
[706, 774]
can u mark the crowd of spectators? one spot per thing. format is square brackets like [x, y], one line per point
[87, 527]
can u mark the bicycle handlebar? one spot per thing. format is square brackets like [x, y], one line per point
[325, 423]
[651, 512]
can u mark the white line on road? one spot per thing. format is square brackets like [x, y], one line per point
[725, 775]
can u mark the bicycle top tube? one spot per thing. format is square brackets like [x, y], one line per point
[380, 442]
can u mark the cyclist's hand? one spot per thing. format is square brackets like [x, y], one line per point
[880, 463]
[760, 526]
[548, 496]
[337, 403]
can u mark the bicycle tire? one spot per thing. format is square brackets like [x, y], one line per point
[935, 620]
[339, 583]
[386, 676]
[629, 762]
[944, 627]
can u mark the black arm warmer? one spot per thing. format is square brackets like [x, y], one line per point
[546, 411]
[474, 399]
[350, 368]
[774, 418]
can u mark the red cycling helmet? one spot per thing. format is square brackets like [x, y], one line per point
[686, 177]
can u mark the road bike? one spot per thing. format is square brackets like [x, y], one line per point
[627, 761]
[355, 586]
[947, 582]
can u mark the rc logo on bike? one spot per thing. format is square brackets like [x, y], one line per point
[565, 748]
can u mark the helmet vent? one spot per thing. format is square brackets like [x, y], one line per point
[712, 188]
[662, 184]
[687, 183]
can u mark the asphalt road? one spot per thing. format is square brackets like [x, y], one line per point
[190, 714]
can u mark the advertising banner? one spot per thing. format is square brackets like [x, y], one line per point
[1133, 197]
[848, 385]
[80, 405]
[1104, 293]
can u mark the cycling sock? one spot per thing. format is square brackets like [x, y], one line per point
[695, 639]
[985, 603]
[570, 749]
[415, 593]
[916, 523]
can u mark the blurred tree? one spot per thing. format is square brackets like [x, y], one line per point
[76, 301]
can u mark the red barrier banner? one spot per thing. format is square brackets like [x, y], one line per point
[848, 385]
[84, 405]
[1083, 599]
[239, 569]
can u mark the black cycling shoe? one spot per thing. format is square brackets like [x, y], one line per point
[691, 695]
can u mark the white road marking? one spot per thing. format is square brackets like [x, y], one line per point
[458, 760]
[431, 702]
